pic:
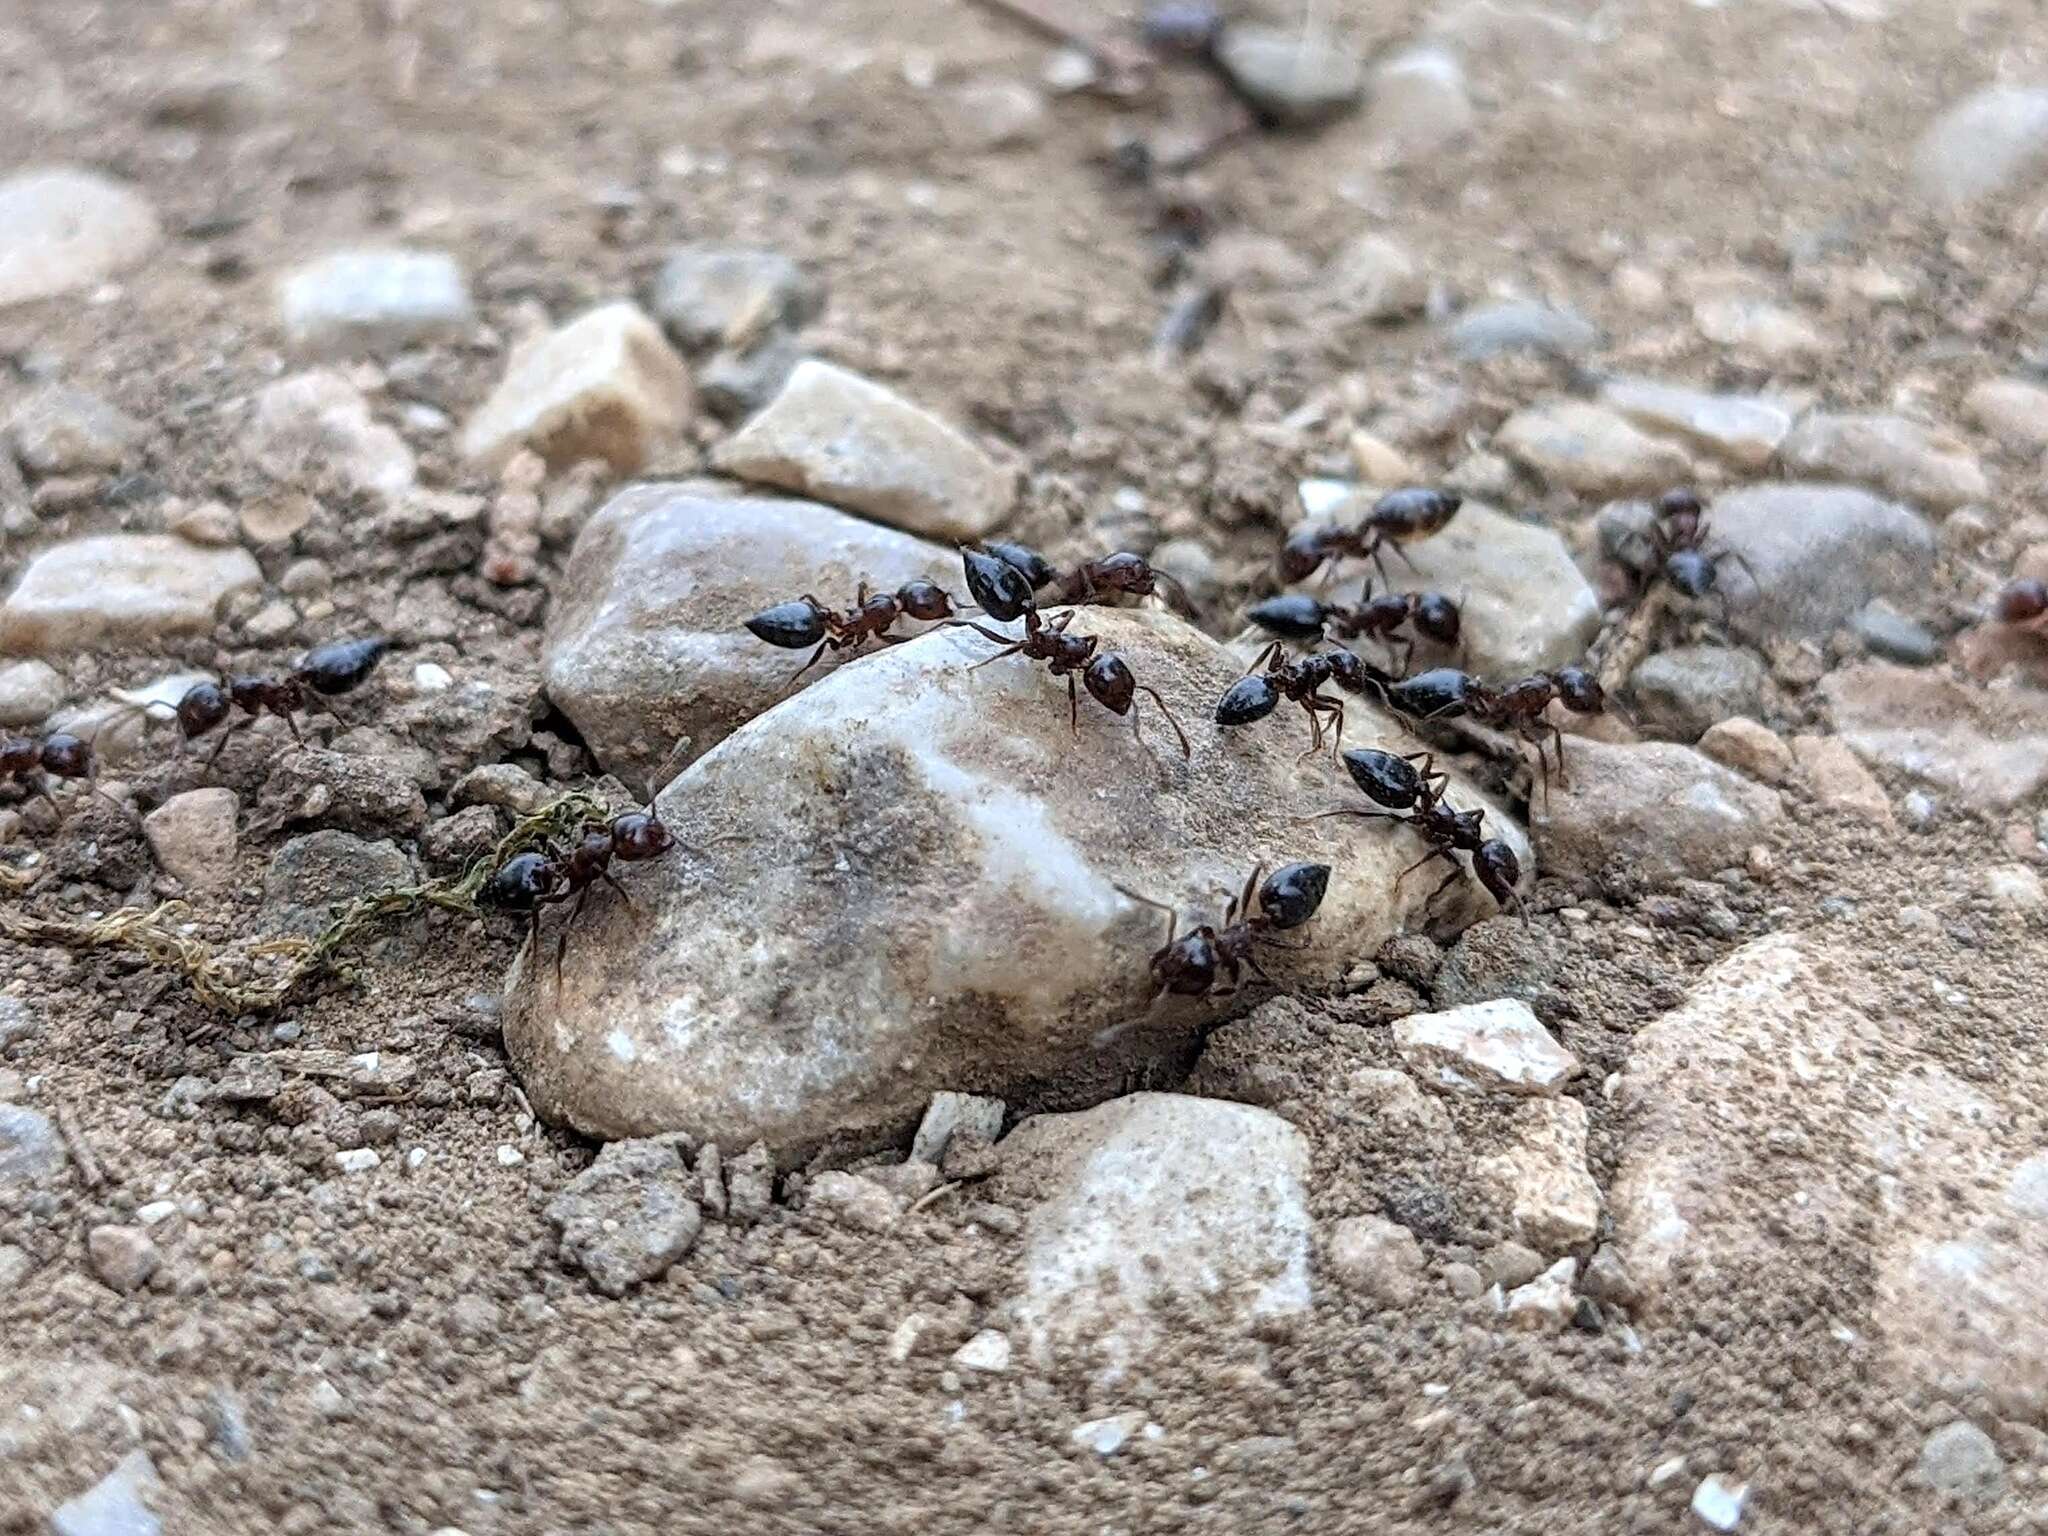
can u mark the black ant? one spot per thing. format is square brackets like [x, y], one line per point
[1189, 965]
[327, 671]
[527, 882]
[1415, 795]
[1257, 694]
[32, 764]
[1446, 693]
[1107, 676]
[1413, 512]
[809, 622]
[1089, 582]
[1678, 552]
[1298, 616]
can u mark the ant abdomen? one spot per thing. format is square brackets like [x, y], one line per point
[2022, 602]
[1385, 778]
[525, 882]
[1036, 570]
[342, 666]
[1250, 698]
[1000, 588]
[1291, 616]
[1440, 693]
[791, 625]
[1292, 895]
[202, 708]
[1437, 617]
[637, 835]
[1691, 572]
[1499, 871]
[67, 757]
[925, 601]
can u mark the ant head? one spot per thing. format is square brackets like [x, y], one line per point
[1679, 504]
[2022, 602]
[1187, 966]
[1109, 681]
[1438, 694]
[203, 707]
[525, 881]
[639, 835]
[1304, 553]
[1414, 511]
[1494, 862]
[1002, 590]
[342, 666]
[789, 625]
[1690, 571]
[924, 600]
[1386, 779]
[66, 756]
[1438, 617]
[1291, 616]
[1034, 567]
[1466, 829]
[1290, 896]
[1250, 698]
[1579, 690]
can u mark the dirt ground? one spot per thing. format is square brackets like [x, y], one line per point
[404, 1351]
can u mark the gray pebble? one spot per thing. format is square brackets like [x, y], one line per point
[1521, 325]
[733, 384]
[310, 874]
[117, 1505]
[1961, 1461]
[1681, 692]
[1919, 809]
[629, 1216]
[704, 291]
[31, 1152]
[1290, 77]
[1891, 634]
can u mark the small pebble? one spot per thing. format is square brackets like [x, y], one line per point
[1718, 1502]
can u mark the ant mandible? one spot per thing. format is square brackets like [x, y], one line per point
[1298, 616]
[1107, 676]
[1413, 512]
[1257, 694]
[327, 671]
[1189, 965]
[1678, 552]
[809, 622]
[32, 764]
[1415, 796]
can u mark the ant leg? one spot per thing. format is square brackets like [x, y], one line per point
[1185, 751]
[999, 655]
[606, 876]
[1405, 560]
[1349, 811]
[1252, 963]
[222, 745]
[816, 657]
[1172, 918]
[1074, 704]
[562, 943]
[1557, 751]
[1272, 649]
[1241, 905]
[1444, 884]
[1434, 853]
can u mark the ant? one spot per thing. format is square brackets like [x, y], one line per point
[1107, 676]
[1678, 552]
[1123, 572]
[327, 670]
[530, 881]
[1297, 616]
[1415, 795]
[1413, 512]
[1257, 694]
[1189, 965]
[32, 764]
[1445, 693]
[2022, 602]
[1089, 582]
[809, 622]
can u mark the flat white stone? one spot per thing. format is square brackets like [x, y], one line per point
[1492, 1047]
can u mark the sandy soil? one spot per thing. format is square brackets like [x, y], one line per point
[406, 1351]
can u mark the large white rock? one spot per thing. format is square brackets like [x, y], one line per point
[1591, 449]
[1525, 602]
[1891, 453]
[1991, 141]
[1492, 1047]
[1153, 1196]
[605, 386]
[120, 589]
[644, 642]
[315, 429]
[63, 230]
[909, 883]
[838, 437]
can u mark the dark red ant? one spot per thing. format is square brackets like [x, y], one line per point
[1678, 552]
[1107, 676]
[1298, 616]
[1189, 965]
[1089, 582]
[32, 764]
[1414, 795]
[2022, 602]
[1258, 693]
[527, 882]
[809, 622]
[1122, 572]
[327, 671]
[1414, 512]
